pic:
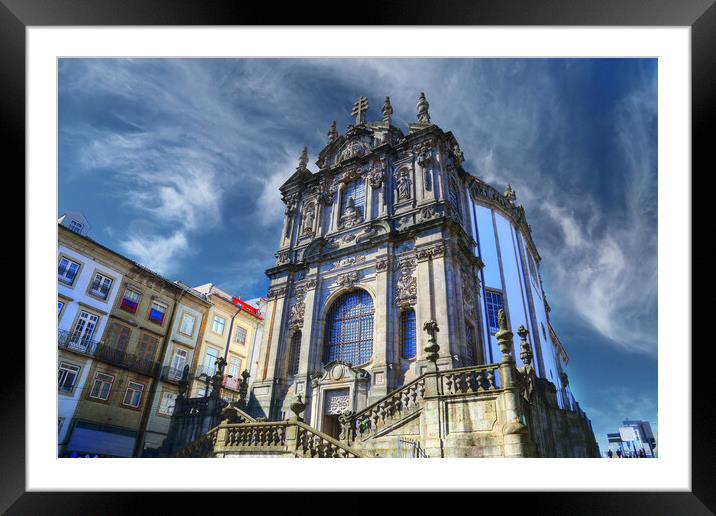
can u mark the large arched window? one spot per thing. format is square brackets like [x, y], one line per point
[349, 329]
[295, 354]
[407, 333]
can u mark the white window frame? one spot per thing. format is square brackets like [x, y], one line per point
[77, 272]
[138, 388]
[164, 408]
[75, 226]
[240, 330]
[187, 316]
[96, 378]
[80, 336]
[174, 363]
[104, 280]
[67, 368]
[223, 324]
[161, 305]
[60, 306]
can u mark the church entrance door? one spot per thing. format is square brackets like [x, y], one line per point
[336, 402]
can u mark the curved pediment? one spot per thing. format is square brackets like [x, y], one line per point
[341, 371]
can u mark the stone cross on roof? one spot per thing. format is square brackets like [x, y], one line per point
[360, 106]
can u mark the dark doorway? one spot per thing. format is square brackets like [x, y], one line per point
[331, 426]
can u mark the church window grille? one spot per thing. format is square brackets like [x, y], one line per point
[350, 328]
[494, 302]
[407, 333]
[295, 354]
[355, 189]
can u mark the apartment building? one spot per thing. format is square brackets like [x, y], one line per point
[231, 331]
[186, 332]
[114, 318]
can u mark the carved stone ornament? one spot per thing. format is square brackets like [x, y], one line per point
[381, 264]
[283, 257]
[351, 216]
[468, 296]
[376, 175]
[348, 261]
[426, 253]
[406, 292]
[276, 292]
[352, 149]
[298, 310]
[348, 279]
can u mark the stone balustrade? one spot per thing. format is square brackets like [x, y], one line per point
[291, 438]
[468, 380]
[408, 399]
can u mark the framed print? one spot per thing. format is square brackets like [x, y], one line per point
[454, 233]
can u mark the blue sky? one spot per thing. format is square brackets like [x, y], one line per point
[177, 163]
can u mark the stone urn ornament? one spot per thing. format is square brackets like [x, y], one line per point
[297, 407]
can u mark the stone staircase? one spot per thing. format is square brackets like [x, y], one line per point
[291, 438]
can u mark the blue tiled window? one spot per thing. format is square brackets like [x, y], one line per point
[494, 303]
[349, 332]
[407, 333]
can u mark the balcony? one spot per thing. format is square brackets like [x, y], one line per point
[77, 342]
[171, 374]
[120, 357]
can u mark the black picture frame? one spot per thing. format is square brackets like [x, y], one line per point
[700, 15]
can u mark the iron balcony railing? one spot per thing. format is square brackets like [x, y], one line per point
[121, 358]
[78, 343]
[172, 374]
[75, 341]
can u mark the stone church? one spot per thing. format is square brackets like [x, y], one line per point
[399, 277]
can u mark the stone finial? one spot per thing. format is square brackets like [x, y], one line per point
[525, 349]
[303, 159]
[298, 406]
[510, 194]
[431, 327]
[360, 107]
[504, 337]
[387, 111]
[332, 132]
[423, 105]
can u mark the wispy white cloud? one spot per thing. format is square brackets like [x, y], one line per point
[211, 135]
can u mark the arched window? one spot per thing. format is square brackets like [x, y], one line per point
[295, 354]
[407, 333]
[349, 329]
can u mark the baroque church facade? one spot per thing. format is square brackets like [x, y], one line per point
[392, 232]
[398, 278]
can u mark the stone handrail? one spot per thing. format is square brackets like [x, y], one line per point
[287, 438]
[313, 443]
[395, 405]
[201, 447]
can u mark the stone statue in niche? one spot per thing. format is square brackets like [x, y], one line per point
[403, 185]
[309, 214]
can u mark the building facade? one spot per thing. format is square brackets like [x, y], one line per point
[390, 237]
[231, 329]
[391, 232]
[114, 317]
